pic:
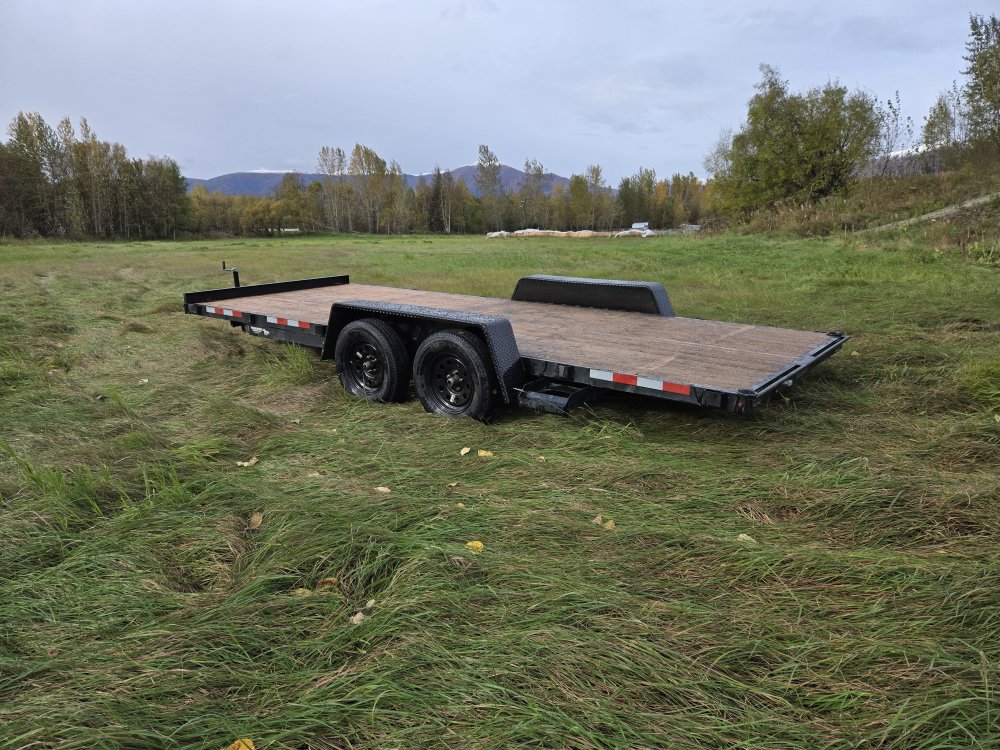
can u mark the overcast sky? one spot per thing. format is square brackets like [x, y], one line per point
[225, 86]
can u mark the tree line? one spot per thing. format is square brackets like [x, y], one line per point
[798, 148]
[57, 183]
[361, 192]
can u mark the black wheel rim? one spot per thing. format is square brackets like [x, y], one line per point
[450, 383]
[365, 367]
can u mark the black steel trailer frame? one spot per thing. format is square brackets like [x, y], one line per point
[541, 384]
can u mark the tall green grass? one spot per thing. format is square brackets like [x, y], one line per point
[824, 575]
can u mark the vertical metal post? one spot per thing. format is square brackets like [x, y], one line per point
[235, 272]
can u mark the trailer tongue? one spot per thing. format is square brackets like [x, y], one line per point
[547, 347]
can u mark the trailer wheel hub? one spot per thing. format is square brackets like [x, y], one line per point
[450, 378]
[367, 366]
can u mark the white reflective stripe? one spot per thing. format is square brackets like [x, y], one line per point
[227, 312]
[602, 375]
[209, 309]
[271, 319]
[656, 385]
[293, 323]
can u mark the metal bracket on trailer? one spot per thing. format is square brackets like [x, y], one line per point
[553, 397]
[495, 331]
[608, 294]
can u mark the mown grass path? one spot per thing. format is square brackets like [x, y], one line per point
[941, 213]
[825, 575]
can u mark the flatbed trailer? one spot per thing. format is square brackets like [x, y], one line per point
[556, 342]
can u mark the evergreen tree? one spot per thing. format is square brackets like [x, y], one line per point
[435, 220]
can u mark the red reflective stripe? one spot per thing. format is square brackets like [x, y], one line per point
[617, 377]
[683, 390]
[283, 321]
[303, 324]
[222, 311]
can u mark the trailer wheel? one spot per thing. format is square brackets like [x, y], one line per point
[452, 375]
[372, 362]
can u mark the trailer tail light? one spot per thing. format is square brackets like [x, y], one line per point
[655, 385]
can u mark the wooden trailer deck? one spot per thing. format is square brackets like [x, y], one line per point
[725, 356]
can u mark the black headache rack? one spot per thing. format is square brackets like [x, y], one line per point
[540, 383]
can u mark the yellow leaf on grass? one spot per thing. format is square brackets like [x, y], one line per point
[540, 458]
[464, 451]
[302, 592]
[256, 519]
[314, 474]
[383, 490]
[484, 454]
[746, 539]
[243, 744]
[597, 520]
[609, 524]
[358, 618]
[475, 547]
[460, 506]
[323, 583]
[296, 421]
[452, 485]
[251, 462]
[369, 604]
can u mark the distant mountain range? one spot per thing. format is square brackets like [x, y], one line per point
[265, 183]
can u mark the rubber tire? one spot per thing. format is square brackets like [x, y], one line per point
[470, 351]
[390, 353]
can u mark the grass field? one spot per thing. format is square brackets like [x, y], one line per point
[825, 575]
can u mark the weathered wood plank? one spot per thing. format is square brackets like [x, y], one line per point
[681, 350]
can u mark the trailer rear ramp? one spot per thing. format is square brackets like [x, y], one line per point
[658, 354]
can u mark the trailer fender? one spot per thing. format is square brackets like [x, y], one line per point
[495, 332]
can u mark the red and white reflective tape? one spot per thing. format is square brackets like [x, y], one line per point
[655, 385]
[223, 311]
[287, 322]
